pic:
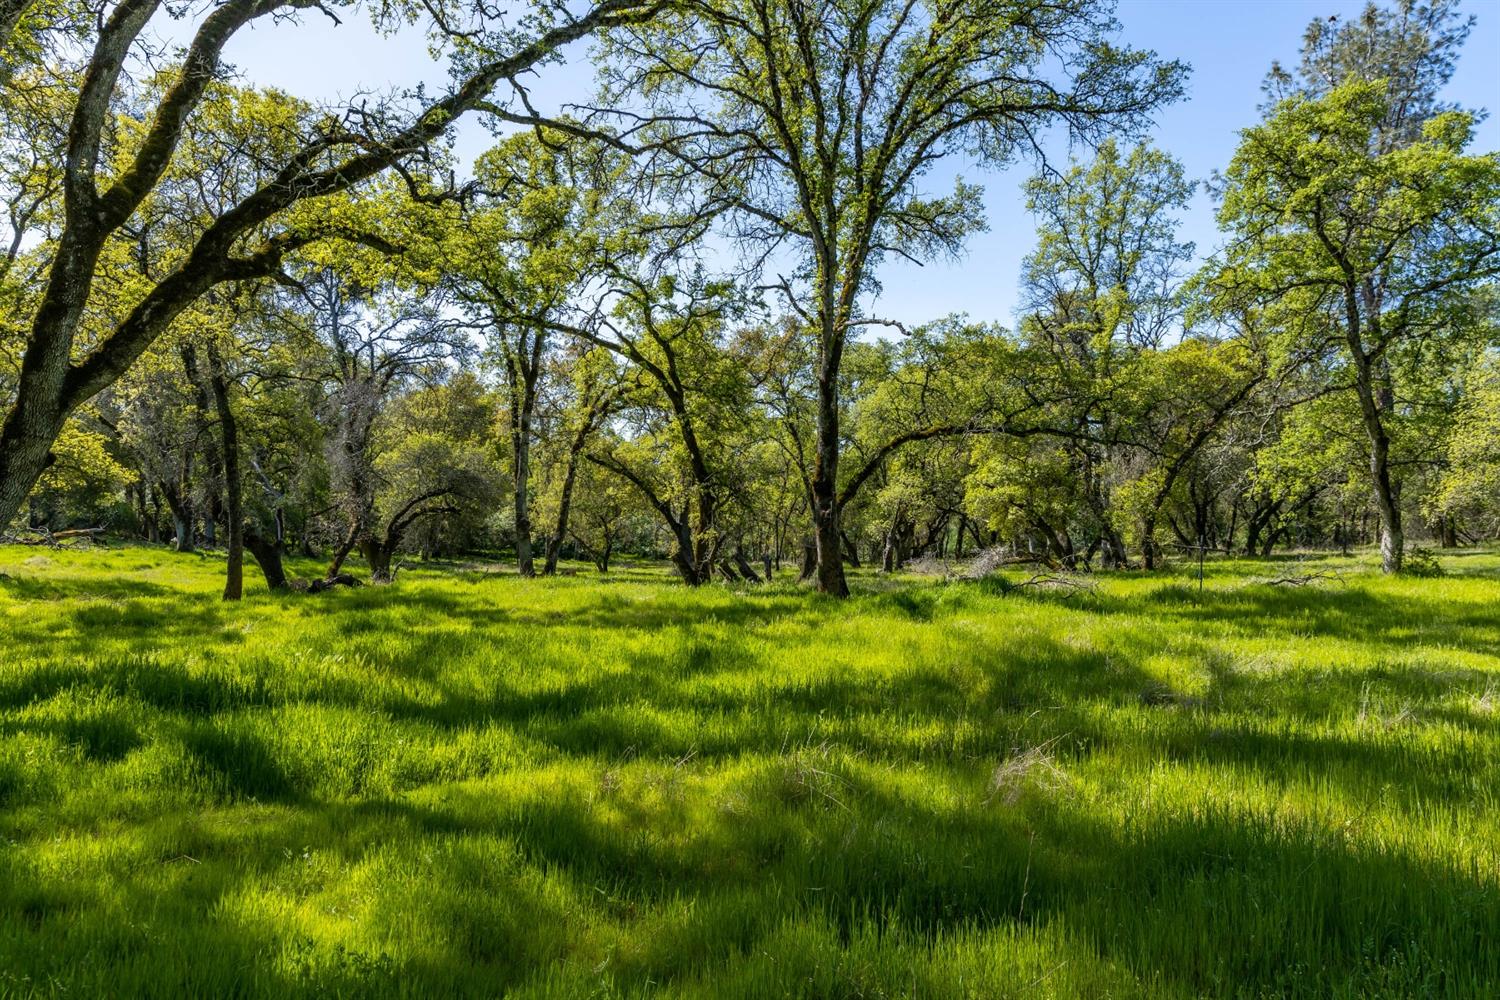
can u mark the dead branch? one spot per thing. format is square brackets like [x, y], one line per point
[1068, 586]
[53, 539]
[328, 583]
[1303, 579]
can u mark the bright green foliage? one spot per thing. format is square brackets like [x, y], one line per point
[1110, 418]
[1319, 447]
[436, 442]
[1472, 477]
[83, 481]
[1314, 203]
[1412, 45]
[471, 784]
[1023, 484]
[1359, 253]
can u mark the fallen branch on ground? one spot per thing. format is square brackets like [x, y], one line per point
[328, 583]
[1303, 579]
[1068, 586]
[53, 539]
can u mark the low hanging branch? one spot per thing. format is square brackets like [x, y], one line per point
[50, 383]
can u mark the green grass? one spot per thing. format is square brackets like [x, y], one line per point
[471, 784]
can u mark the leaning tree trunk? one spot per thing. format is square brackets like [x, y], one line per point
[351, 538]
[851, 551]
[564, 508]
[39, 412]
[565, 501]
[234, 570]
[182, 514]
[742, 564]
[267, 555]
[378, 555]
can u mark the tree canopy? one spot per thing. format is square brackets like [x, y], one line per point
[652, 323]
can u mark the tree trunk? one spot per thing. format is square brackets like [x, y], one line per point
[351, 538]
[693, 570]
[1112, 546]
[213, 463]
[1387, 500]
[182, 514]
[267, 555]
[809, 560]
[523, 359]
[38, 414]
[825, 474]
[1448, 532]
[1059, 546]
[150, 513]
[564, 506]
[521, 468]
[851, 551]
[234, 570]
[743, 566]
[1148, 541]
[378, 555]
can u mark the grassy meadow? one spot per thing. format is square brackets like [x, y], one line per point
[468, 784]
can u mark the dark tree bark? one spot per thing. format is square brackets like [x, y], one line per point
[570, 477]
[1259, 520]
[742, 565]
[692, 556]
[1374, 402]
[809, 560]
[50, 384]
[234, 570]
[176, 495]
[267, 555]
[851, 551]
[523, 370]
[346, 546]
[378, 556]
[213, 462]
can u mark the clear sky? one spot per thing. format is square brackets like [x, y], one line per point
[1229, 44]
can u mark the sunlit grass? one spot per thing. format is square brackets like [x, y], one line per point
[472, 784]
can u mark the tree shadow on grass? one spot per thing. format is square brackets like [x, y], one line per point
[722, 813]
[1266, 611]
[1192, 903]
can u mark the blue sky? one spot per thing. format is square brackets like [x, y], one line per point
[1229, 43]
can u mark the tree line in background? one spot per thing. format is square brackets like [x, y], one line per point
[652, 324]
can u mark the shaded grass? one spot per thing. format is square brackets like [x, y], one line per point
[472, 784]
